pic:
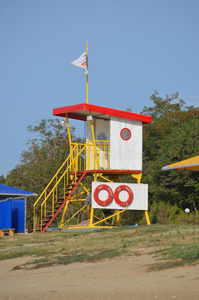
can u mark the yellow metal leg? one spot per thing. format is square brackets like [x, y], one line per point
[118, 217]
[147, 217]
[137, 177]
[88, 214]
[91, 217]
[64, 214]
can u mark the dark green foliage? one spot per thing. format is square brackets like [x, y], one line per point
[172, 136]
[45, 155]
[163, 213]
[2, 179]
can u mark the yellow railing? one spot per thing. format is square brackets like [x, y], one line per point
[82, 157]
[95, 156]
[50, 195]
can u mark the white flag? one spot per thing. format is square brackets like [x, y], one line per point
[81, 62]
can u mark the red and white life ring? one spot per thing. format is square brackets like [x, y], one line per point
[120, 188]
[110, 195]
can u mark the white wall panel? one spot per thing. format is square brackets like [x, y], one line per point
[140, 196]
[125, 154]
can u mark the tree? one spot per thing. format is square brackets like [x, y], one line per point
[2, 179]
[172, 136]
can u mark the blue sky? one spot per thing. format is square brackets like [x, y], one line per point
[135, 47]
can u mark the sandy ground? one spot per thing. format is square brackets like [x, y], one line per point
[118, 278]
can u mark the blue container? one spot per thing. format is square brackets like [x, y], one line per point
[5, 214]
[13, 215]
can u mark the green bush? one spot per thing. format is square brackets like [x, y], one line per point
[192, 218]
[165, 213]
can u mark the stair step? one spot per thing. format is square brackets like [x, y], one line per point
[49, 216]
[59, 202]
[62, 198]
[50, 213]
[45, 221]
[77, 174]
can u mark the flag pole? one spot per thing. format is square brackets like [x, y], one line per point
[87, 72]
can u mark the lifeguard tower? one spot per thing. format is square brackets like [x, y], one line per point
[90, 179]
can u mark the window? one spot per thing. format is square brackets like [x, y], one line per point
[125, 134]
[101, 136]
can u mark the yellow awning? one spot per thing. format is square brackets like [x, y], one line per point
[191, 164]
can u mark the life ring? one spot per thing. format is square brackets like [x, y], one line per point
[120, 188]
[110, 194]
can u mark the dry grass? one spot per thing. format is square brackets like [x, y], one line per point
[174, 245]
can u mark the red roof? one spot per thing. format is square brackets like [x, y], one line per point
[81, 111]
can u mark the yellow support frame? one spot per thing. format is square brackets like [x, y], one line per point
[88, 208]
[138, 178]
[69, 135]
[115, 214]
[86, 211]
[90, 211]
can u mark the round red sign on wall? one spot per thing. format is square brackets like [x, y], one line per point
[110, 194]
[120, 188]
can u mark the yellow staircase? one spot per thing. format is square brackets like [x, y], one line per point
[63, 183]
[82, 157]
